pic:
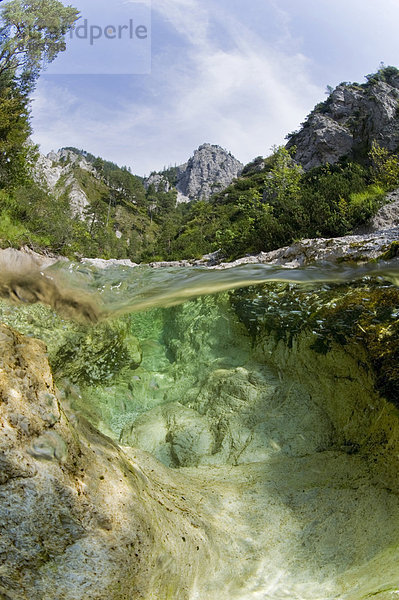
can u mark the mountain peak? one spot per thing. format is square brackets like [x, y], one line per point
[210, 169]
[349, 120]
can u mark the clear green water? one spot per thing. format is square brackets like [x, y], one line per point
[119, 290]
[111, 332]
[273, 393]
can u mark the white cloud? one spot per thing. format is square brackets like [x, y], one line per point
[244, 95]
[246, 98]
[189, 18]
[61, 119]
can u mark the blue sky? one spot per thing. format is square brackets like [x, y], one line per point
[238, 73]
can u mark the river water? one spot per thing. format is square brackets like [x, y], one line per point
[275, 388]
[119, 289]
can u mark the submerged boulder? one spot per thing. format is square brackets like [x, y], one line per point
[284, 455]
[236, 418]
[79, 518]
[91, 355]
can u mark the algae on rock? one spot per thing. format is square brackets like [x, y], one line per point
[302, 415]
[100, 522]
[96, 354]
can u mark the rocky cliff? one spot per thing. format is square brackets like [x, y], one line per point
[210, 169]
[57, 172]
[97, 207]
[352, 117]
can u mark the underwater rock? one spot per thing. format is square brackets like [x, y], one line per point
[85, 523]
[176, 435]
[49, 446]
[236, 418]
[289, 486]
[300, 452]
[97, 354]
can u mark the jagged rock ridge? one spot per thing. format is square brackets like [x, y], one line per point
[56, 172]
[351, 118]
[210, 169]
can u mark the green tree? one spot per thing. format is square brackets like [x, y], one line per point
[282, 183]
[14, 132]
[326, 198]
[196, 236]
[32, 34]
[384, 167]
[49, 219]
[242, 233]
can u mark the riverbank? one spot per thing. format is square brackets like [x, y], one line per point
[357, 248]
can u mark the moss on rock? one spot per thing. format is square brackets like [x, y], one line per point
[365, 314]
[97, 354]
[391, 252]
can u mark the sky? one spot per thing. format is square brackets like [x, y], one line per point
[237, 73]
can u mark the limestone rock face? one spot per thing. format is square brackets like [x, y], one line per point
[387, 217]
[360, 247]
[348, 122]
[211, 169]
[159, 181]
[366, 244]
[324, 140]
[55, 170]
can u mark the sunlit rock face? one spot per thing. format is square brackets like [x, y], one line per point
[56, 172]
[209, 170]
[348, 122]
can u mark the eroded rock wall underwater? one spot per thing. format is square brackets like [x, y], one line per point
[239, 445]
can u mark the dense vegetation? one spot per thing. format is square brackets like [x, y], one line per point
[32, 33]
[271, 204]
[274, 203]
